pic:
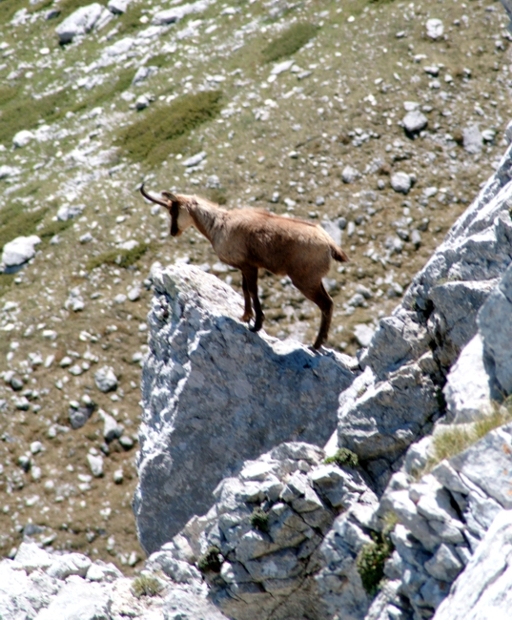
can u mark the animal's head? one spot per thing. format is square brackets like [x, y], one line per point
[178, 207]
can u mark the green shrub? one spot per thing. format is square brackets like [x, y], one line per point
[211, 561]
[371, 559]
[259, 520]
[118, 258]
[343, 457]
[146, 585]
[290, 41]
[17, 221]
[217, 195]
[154, 135]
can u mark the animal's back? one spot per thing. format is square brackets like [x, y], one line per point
[279, 243]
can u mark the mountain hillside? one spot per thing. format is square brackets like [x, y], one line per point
[379, 120]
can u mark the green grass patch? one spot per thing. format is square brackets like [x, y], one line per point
[129, 22]
[118, 258]
[159, 131]
[6, 281]
[19, 111]
[7, 10]
[371, 560]
[289, 42]
[343, 457]
[17, 221]
[217, 195]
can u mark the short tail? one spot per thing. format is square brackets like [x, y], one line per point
[338, 254]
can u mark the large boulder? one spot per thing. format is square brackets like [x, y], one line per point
[79, 22]
[215, 394]
[19, 251]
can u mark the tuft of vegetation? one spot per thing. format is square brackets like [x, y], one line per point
[371, 560]
[457, 438]
[118, 258]
[156, 132]
[146, 585]
[343, 457]
[211, 561]
[7, 10]
[17, 221]
[290, 41]
[259, 520]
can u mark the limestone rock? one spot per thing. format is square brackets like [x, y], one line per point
[401, 182]
[19, 250]
[105, 379]
[207, 402]
[414, 122]
[484, 590]
[79, 23]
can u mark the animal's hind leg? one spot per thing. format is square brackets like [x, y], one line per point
[323, 300]
[251, 279]
[247, 300]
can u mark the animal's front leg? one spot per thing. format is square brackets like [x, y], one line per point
[251, 277]
[247, 315]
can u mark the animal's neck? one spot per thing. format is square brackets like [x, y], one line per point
[206, 218]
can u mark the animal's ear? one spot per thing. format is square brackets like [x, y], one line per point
[170, 196]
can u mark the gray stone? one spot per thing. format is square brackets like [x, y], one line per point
[349, 174]
[19, 250]
[79, 23]
[364, 334]
[118, 6]
[467, 390]
[205, 423]
[78, 416]
[472, 139]
[453, 320]
[414, 122]
[31, 557]
[401, 182]
[69, 564]
[95, 462]
[111, 429]
[105, 379]
[487, 464]
[444, 565]
[78, 599]
[380, 419]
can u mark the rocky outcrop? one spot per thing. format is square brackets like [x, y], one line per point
[209, 403]
[282, 538]
[43, 585]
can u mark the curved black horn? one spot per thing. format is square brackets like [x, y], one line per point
[148, 197]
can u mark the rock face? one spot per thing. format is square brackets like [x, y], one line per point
[286, 532]
[208, 402]
[484, 590]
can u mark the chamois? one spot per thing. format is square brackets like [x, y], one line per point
[251, 239]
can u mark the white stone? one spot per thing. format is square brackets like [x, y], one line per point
[105, 379]
[435, 28]
[95, 464]
[194, 160]
[22, 138]
[401, 182]
[118, 6]
[19, 250]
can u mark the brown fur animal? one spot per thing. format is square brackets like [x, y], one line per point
[250, 239]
